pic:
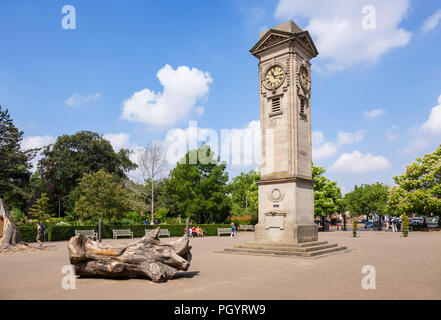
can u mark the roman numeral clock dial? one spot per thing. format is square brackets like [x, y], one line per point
[274, 77]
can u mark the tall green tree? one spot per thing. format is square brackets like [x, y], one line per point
[327, 195]
[14, 163]
[418, 190]
[243, 190]
[71, 156]
[41, 210]
[367, 199]
[101, 197]
[199, 190]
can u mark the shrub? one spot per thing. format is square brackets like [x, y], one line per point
[405, 225]
[28, 233]
[247, 220]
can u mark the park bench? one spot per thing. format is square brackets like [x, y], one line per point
[245, 227]
[162, 232]
[221, 231]
[122, 233]
[88, 233]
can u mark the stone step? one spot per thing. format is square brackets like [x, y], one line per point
[292, 249]
[249, 251]
[287, 245]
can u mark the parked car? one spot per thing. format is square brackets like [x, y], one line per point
[368, 224]
[418, 221]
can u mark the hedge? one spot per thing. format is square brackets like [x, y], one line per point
[28, 233]
[62, 233]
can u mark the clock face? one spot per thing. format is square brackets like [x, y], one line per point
[305, 82]
[274, 77]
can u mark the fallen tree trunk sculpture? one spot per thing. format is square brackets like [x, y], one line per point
[148, 257]
[11, 235]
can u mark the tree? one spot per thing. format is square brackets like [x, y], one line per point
[14, 163]
[199, 191]
[101, 197]
[367, 199]
[72, 156]
[153, 163]
[418, 190]
[11, 234]
[327, 195]
[41, 209]
[242, 188]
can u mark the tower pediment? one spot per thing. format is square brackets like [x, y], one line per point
[287, 31]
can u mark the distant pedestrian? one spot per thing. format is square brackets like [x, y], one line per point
[233, 230]
[40, 233]
[394, 225]
[146, 222]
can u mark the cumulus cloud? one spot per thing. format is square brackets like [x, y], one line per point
[356, 163]
[374, 113]
[338, 28]
[118, 140]
[33, 142]
[183, 87]
[392, 135]
[322, 149]
[432, 22]
[350, 138]
[78, 100]
[427, 133]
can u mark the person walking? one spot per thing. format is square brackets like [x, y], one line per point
[394, 224]
[233, 230]
[40, 233]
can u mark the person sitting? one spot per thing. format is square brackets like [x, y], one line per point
[199, 232]
[193, 232]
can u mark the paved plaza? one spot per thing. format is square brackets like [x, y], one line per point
[406, 268]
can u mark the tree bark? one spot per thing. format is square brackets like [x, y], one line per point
[145, 258]
[11, 234]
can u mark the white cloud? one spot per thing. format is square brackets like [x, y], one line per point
[374, 113]
[77, 99]
[33, 142]
[432, 22]
[182, 89]
[322, 149]
[356, 163]
[118, 140]
[336, 26]
[429, 132]
[432, 127]
[350, 138]
[391, 134]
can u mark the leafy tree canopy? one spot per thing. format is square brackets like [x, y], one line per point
[72, 156]
[418, 190]
[41, 210]
[199, 191]
[101, 197]
[327, 195]
[14, 163]
[243, 189]
[367, 199]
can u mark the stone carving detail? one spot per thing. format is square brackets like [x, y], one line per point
[276, 195]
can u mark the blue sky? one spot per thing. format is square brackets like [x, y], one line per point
[103, 75]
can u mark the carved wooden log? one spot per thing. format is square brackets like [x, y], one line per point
[11, 235]
[145, 258]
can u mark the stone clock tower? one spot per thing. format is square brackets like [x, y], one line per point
[286, 188]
